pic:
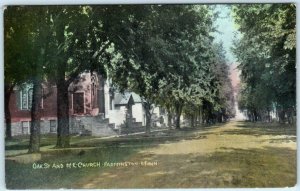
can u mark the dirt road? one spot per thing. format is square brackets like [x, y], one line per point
[230, 155]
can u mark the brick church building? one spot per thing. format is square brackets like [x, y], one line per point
[94, 107]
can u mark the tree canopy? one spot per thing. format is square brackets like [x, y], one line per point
[164, 53]
[167, 56]
[266, 53]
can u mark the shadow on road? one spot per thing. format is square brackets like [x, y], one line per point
[228, 168]
[259, 129]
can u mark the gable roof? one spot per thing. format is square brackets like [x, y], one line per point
[136, 98]
[123, 99]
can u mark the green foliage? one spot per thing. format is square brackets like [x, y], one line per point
[25, 36]
[21, 44]
[164, 53]
[266, 53]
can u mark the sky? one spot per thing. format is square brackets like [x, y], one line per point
[226, 34]
[227, 30]
[226, 27]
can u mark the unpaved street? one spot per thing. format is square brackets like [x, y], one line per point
[229, 155]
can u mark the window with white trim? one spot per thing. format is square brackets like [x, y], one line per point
[26, 98]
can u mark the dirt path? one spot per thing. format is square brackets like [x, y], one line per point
[225, 156]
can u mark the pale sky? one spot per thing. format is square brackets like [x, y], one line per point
[225, 26]
[227, 30]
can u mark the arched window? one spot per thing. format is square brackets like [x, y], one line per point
[26, 98]
[30, 91]
[93, 89]
[94, 95]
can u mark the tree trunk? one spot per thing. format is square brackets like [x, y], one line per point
[201, 115]
[289, 116]
[255, 116]
[147, 107]
[148, 122]
[281, 116]
[169, 118]
[178, 108]
[63, 134]
[34, 143]
[8, 90]
[196, 114]
[192, 120]
[129, 117]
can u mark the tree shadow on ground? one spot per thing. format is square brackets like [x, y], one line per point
[227, 168]
[136, 140]
[140, 141]
[231, 167]
[154, 138]
[23, 146]
[259, 129]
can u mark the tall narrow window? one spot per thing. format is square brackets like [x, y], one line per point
[94, 97]
[94, 94]
[24, 99]
[30, 91]
[93, 89]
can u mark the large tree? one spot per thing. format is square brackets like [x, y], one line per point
[56, 43]
[78, 44]
[17, 36]
[24, 61]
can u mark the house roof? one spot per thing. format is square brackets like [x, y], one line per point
[136, 98]
[123, 99]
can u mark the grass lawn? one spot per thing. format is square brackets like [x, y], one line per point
[21, 176]
[236, 154]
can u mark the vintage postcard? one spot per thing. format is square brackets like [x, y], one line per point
[150, 96]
